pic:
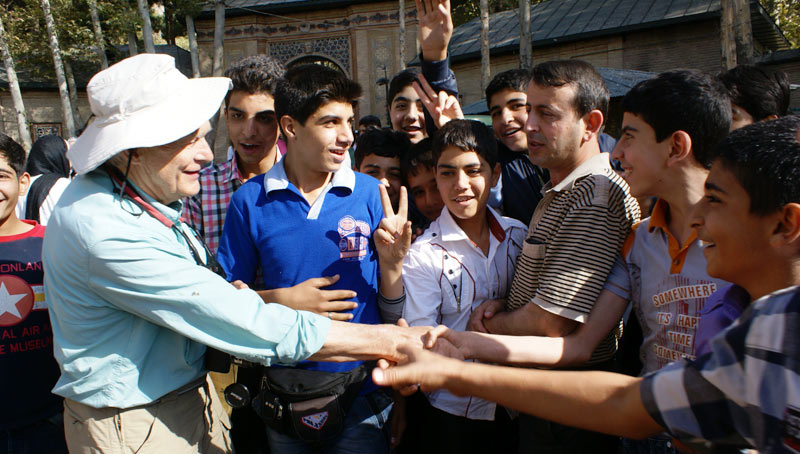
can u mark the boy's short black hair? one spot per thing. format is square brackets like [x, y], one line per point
[467, 135]
[514, 79]
[765, 159]
[381, 142]
[254, 74]
[683, 100]
[13, 152]
[400, 81]
[306, 88]
[591, 92]
[370, 121]
[760, 92]
[418, 158]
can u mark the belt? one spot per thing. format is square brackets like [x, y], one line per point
[189, 387]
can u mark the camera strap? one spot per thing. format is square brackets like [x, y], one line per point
[133, 195]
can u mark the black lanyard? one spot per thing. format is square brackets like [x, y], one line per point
[126, 190]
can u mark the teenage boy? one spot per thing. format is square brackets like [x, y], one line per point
[406, 111]
[756, 94]
[378, 155]
[310, 216]
[575, 235]
[522, 180]
[253, 132]
[32, 420]
[464, 258]
[418, 170]
[744, 393]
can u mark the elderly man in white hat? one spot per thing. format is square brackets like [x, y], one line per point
[133, 294]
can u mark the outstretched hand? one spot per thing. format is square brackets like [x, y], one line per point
[443, 106]
[435, 28]
[393, 236]
[422, 368]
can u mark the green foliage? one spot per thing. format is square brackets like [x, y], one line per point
[466, 10]
[785, 13]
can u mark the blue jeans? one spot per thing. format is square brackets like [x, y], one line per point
[42, 437]
[365, 430]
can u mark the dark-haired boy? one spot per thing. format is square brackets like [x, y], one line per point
[310, 216]
[378, 154]
[464, 258]
[745, 392]
[32, 421]
[253, 132]
[406, 110]
[522, 181]
[756, 94]
[418, 170]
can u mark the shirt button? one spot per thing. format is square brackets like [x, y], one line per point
[451, 271]
[433, 234]
[676, 262]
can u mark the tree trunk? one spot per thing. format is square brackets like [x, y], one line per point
[525, 45]
[402, 23]
[73, 94]
[147, 27]
[100, 47]
[485, 74]
[16, 94]
[66, 108]
[727, 39]
[132, 48]
[743, 31]
[193, 46]
[219, 38]
[219, 53]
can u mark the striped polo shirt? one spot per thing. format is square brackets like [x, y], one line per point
[576, 234]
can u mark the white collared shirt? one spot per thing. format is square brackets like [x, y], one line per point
[446, 276]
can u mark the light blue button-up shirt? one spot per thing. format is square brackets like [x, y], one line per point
[132, 311]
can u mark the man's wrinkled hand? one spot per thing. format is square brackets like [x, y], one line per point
[486, 310]
[446, 342]
[421, 368]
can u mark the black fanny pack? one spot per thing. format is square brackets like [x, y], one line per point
[308, 405]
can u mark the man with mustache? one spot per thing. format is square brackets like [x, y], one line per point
[574, 237]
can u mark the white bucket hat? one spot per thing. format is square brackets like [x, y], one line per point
[143, 101]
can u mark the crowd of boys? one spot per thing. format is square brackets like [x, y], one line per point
[519, 240]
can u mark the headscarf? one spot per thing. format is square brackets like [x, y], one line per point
[48, 155]
[48, 158]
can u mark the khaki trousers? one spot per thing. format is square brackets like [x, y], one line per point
[184, 421]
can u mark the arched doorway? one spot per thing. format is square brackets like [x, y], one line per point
[316, 60]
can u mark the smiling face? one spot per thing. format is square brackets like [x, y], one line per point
[509, 114]
[425, 193]
[642, 158]
[11, 187]
[320, 146]
[554, 128]
[735, 241]
[407, 114]
[464, 180]
[170, 172]
[252, 126]
[387, 171]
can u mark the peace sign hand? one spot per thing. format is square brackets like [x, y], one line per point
[393, 236]
[443, 107]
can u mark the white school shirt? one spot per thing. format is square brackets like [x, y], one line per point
[446, 276]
